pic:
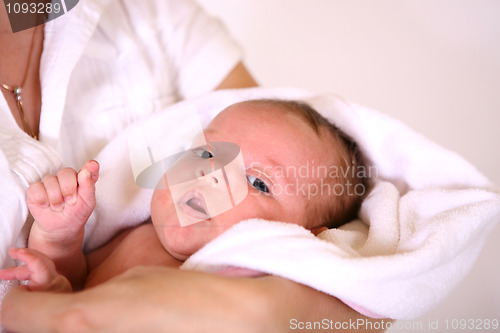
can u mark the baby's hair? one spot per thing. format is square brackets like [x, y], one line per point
[343, 208]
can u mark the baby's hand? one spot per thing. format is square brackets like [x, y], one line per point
[39, 270]
[62, 204]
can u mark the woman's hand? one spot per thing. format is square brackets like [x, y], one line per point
[159, 299]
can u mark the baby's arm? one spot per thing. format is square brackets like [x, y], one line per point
[61, 205]
[38, 269]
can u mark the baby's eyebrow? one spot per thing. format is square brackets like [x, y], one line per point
[278, 170]
[209, 131]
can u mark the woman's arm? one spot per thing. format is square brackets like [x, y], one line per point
[296, 307]
[147, 299]
[239, 77]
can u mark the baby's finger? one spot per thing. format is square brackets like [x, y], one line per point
[37, 195]
[54, 194]
[23, 254]
[19, 272]
[92, 166]
[15, 273]
[86, 180]
[67, 179]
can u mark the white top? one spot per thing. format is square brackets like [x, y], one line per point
[108, 63]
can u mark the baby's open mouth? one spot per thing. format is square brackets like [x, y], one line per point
[193, 204]
[197, 204]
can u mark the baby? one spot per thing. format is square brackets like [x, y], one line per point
[277, 138]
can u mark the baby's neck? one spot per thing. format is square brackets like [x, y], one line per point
[138, 246]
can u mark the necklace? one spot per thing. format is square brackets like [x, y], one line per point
[16, 91]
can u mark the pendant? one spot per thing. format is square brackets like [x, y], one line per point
[17, 93]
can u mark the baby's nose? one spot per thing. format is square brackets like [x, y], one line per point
[202, 175]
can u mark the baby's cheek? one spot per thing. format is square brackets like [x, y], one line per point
[162, 197]
[162, 207]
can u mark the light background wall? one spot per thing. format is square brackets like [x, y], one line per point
[434, 64]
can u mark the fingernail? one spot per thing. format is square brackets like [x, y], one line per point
[86, 174]
[57, 208]
[70, 200]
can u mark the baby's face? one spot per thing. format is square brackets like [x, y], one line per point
[271, 141]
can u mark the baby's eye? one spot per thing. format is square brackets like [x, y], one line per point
[203, 153]
[258, 184]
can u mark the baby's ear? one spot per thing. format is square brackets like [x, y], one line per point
[316, 231]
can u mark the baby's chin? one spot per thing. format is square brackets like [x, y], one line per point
[181, 247]
[183, 241]
[179, 256]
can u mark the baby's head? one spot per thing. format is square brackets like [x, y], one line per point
[300, 169]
